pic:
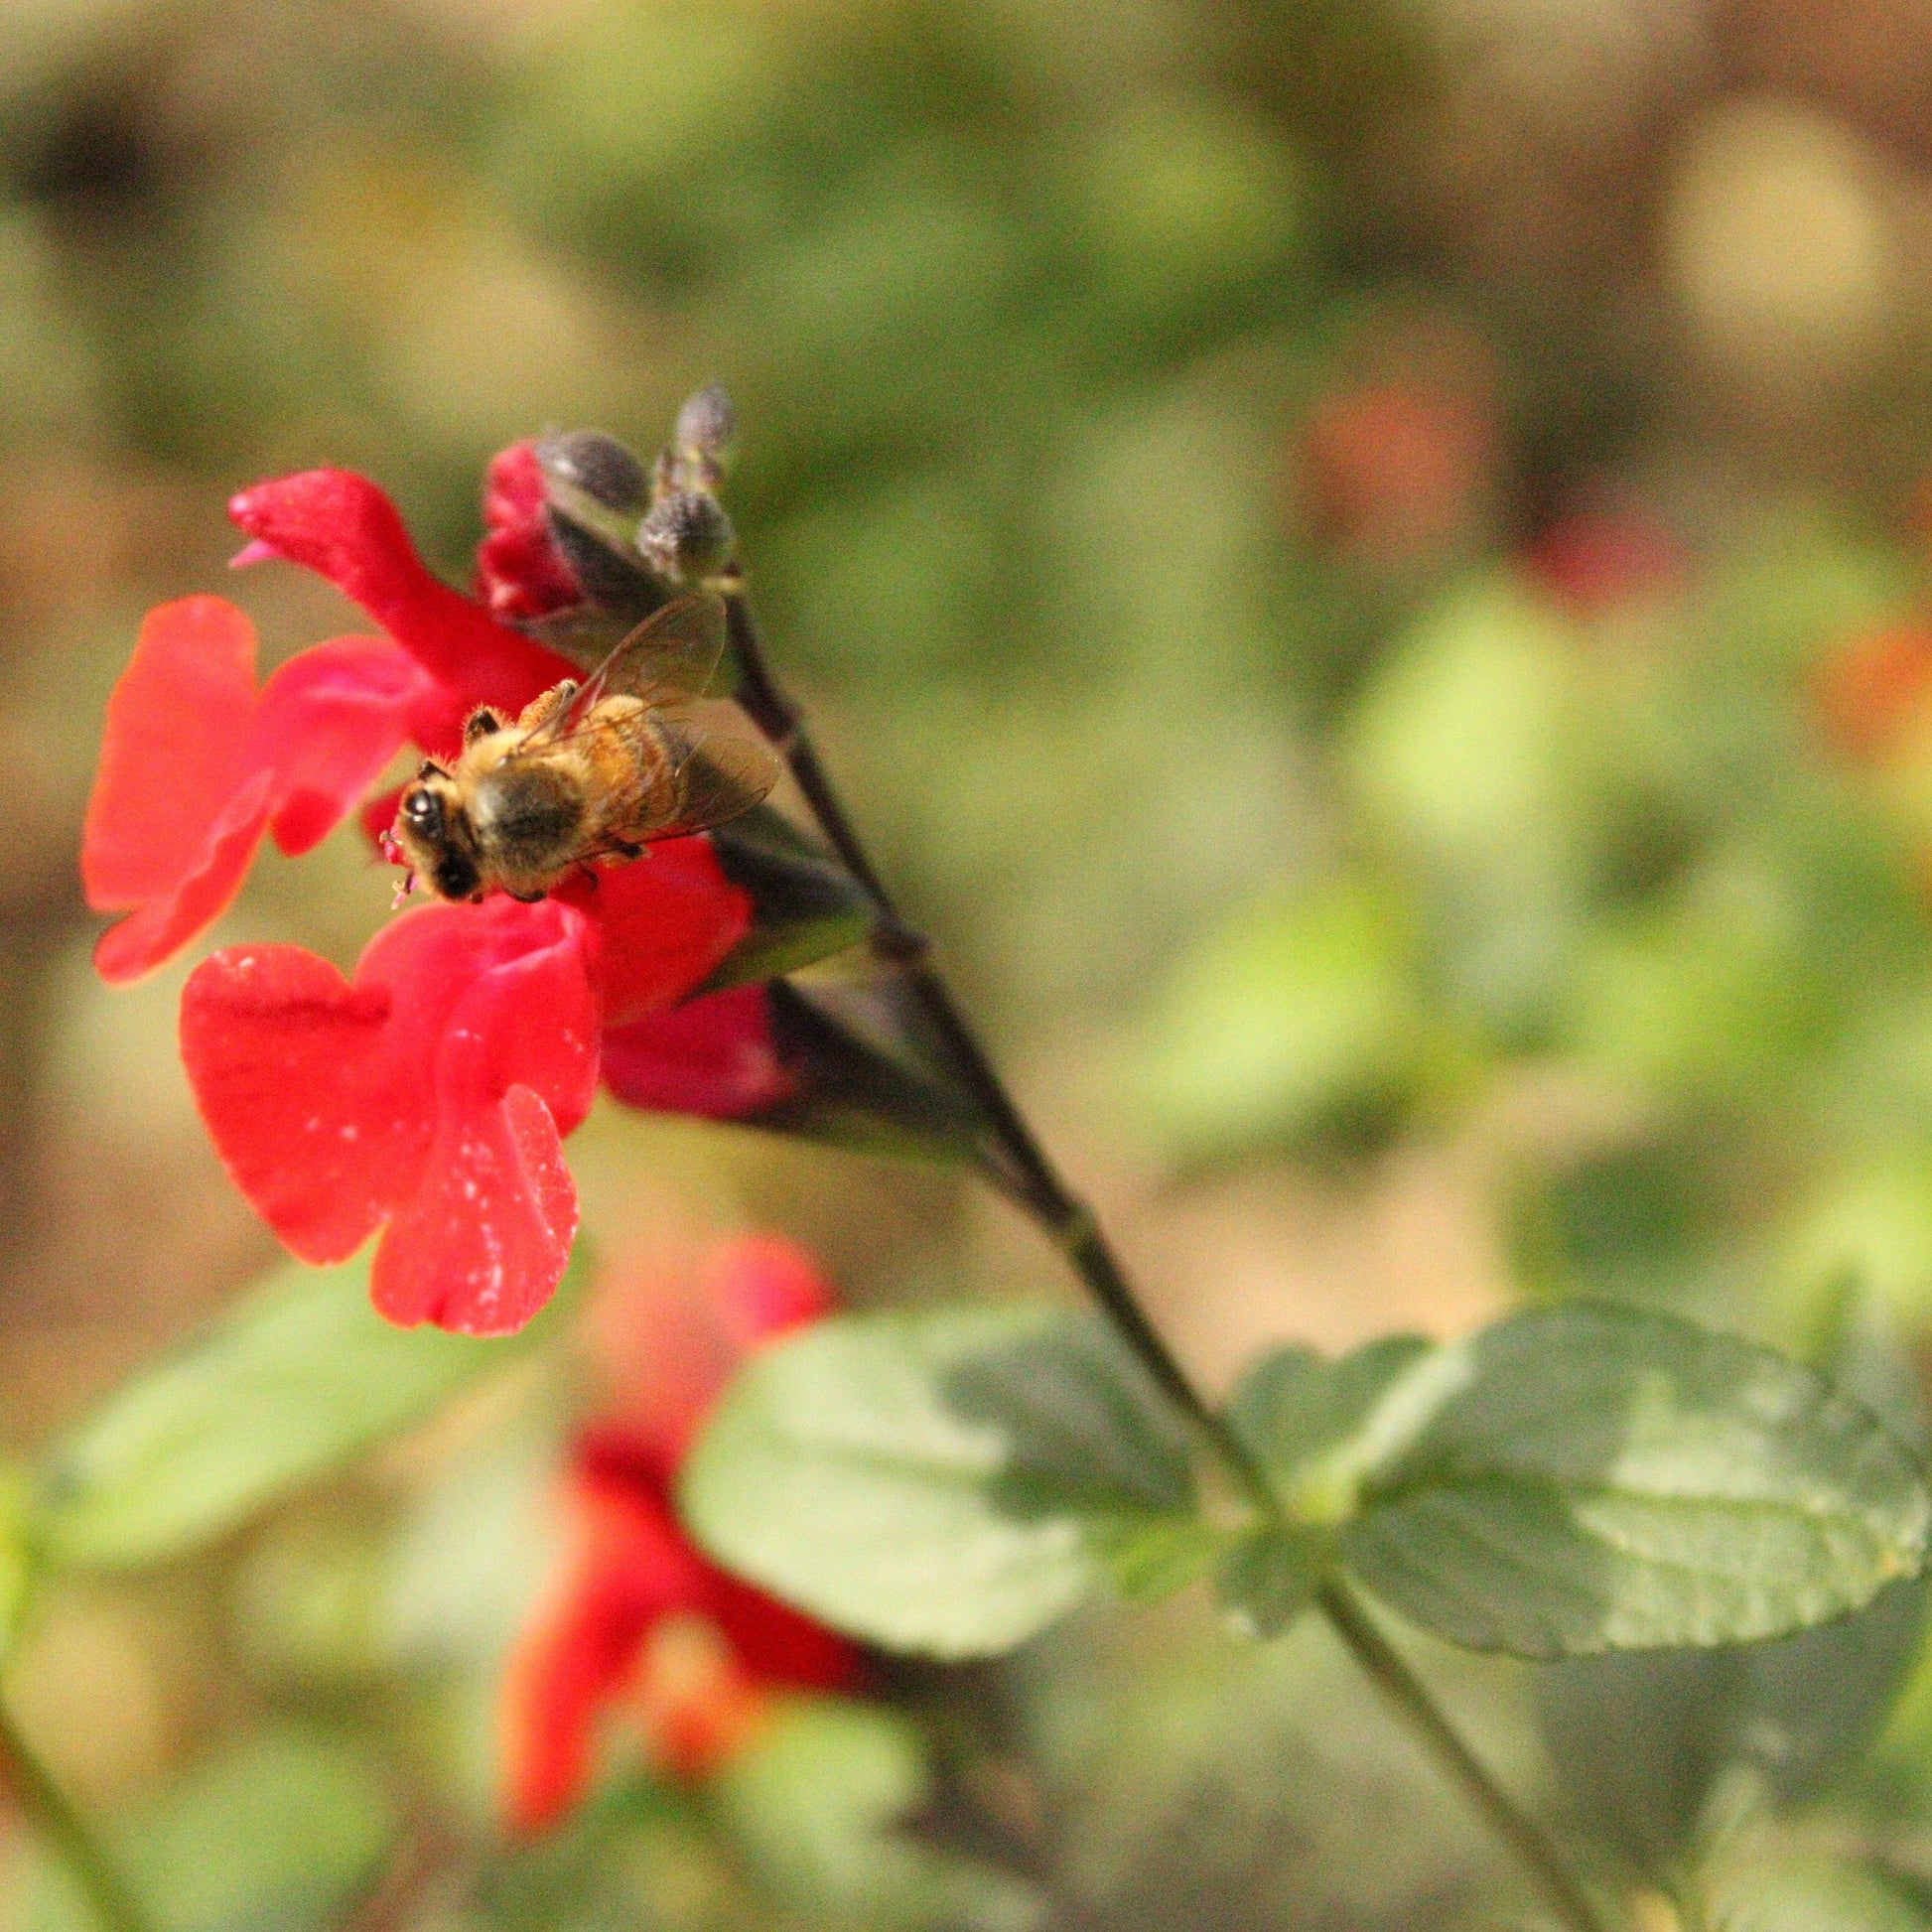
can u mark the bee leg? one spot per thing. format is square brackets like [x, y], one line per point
[626, 848]
[527, 898]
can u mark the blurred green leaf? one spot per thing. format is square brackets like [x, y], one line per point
[1268, 1577]
[276, 1833]
[1797, 1891]
[948, 1481]
[820, 1805]
[1297, 1014]
[300, 1376]
[1475, 750]
[1587, 1479]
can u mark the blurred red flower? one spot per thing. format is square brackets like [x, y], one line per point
[1392, 472]
[639, 1623]
[1868, 695]
[429, 1094]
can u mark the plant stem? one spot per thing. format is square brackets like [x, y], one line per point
[1070, 1223]
[1065, 1218]
[57, 1821]
[1406, 1691]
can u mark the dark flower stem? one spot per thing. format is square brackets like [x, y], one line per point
[1410, 1698]
[1066, 1220]
[1031, 1177]
[65, 1833]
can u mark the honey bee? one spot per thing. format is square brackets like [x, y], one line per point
[592, 771]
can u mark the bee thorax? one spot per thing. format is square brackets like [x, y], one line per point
[525, 814]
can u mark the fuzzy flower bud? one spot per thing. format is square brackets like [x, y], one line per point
[687, 537]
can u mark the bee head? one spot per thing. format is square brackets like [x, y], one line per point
[431, 831]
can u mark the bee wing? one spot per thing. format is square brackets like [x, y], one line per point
[670, 658]
[723, 769]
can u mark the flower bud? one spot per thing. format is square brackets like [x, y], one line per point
[523, 573]
[706, 429]
[597, 464]
[687, 537]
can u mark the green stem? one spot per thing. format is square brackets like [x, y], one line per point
[1406, 1691]
[57, 1821]
[1025, 1167]
[1031, 1177]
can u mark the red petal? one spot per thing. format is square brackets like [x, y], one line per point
[712, 1056]
[192, 764]
[431, 1093]
[288, 1065]
[763, 1287]
[666, 921]
[342, 526]
[521, 572]
[329, 721]
[173, 752]
[633, 1568]
[776, 1644]
[483, 1240]
[165, 925]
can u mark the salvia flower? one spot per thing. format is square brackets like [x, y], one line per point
[424, 1098]
[639, 1625]
[427, 1095]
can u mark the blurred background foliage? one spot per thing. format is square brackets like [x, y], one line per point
[1364, 562]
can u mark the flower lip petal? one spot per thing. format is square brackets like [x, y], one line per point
[173, 753]
[430, 1092]
[485, 1238]
[163, 925]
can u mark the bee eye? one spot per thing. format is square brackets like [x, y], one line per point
[424, 811]
[481, 724]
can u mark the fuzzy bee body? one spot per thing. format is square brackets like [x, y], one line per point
[587, 773]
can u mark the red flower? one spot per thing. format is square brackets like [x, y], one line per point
[432, 1092]
[641, 1620]
[429, 1095]
[715, 1056]
[1596, 561]
[1868, 695]
[196, 762]
[521, 572]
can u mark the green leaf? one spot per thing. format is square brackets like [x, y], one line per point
[947, 1482]
[1642, 1740]
[1297, 1015]
[1268, 1577]
[297, 1378]
[1306, 1420]
[274, 1835]
[1584, 1478]
[819, 1804]
[1796, 1892]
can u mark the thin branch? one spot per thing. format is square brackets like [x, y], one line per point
[65, 1833]
[1037, 1184]
[1411, 1698]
